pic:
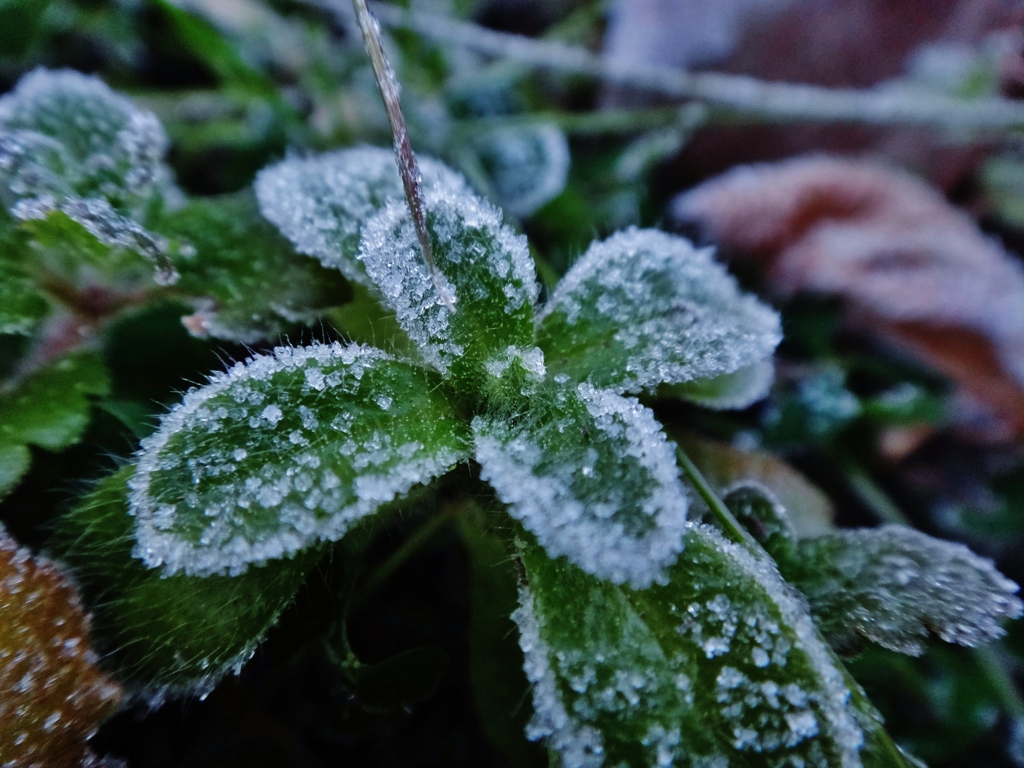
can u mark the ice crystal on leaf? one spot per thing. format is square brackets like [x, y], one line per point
[645, 308]
[720, 663]
[485, 268]
[894, 585]
[591, 475]
[66, 126]
[285, 450]
[321, 203]
[53, 695]
[70, 145]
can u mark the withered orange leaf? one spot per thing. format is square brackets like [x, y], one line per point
[913, 269]
[52, 695]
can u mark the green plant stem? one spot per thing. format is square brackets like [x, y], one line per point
[872, 495]
[723, 516]
[730, 96]
[397, 559]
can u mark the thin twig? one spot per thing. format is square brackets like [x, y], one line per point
[730, 94]
[408, 168]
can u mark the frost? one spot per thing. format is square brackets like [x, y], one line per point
[69, 126]
[527, 166]
[624, 677]
[267, 459]
[321, 203]
[69, 144]
[484, 267]
[53, 695]
[593, 478]
[644, 308]
[106, 225]
[579, 746]
[893, 585]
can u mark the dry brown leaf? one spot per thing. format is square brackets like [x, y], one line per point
[52, 695]
[912, 269]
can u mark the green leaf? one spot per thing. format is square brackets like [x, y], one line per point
[757, 509]
[321, 203]
[645, 308]
[65, 131]
[526, 166]
[248, 281]
[167, 633]
[591, 475]
[50, 408]
[21, 305]
[285, 450]
[14, 463]
[894, 585]
[720, 666]
[69, 145]
[484, 340]
[89, 230]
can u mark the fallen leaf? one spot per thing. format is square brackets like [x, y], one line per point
[52, 694]
[912, 269]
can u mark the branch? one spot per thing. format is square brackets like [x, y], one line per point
[733, 95]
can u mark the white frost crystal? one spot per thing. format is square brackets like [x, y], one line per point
[102, 145]
[594, 480]
[321, 203]
[722, 666]
[484, 267]
[644, 308]
[892, 585]
[283, 451]
[578, 745]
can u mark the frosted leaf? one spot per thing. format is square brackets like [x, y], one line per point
[250, 283]
[894, 585]
[591, 475]
[729, 390]
[104, 224]
[53, 696]
[720, 666]
[321, 203]
[167, 634]
[644, 308]
[484, 266]
[762, 515]
[69, 144]
[526, 166]
[318, 453]
[64, 132]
